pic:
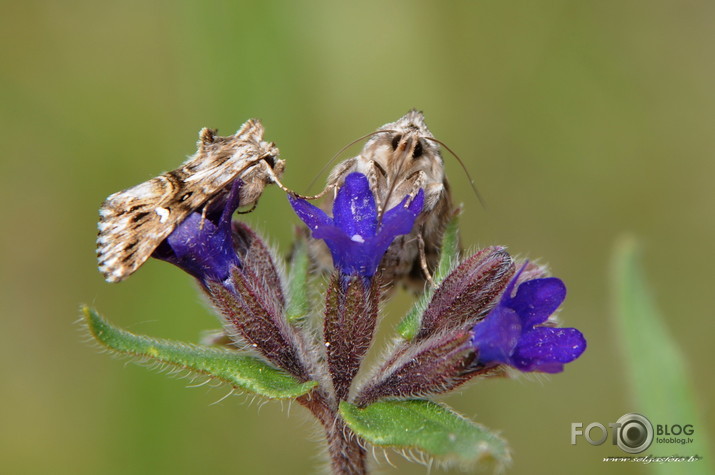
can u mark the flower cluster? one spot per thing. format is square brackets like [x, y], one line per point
[485, 314]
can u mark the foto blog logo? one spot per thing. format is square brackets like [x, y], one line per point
[632, 433]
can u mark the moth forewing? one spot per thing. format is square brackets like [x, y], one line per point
[133, 222]
[398, 160]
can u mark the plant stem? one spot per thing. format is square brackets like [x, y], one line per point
[347, 456]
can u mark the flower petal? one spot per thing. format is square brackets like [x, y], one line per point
[349, 256]
[546, 349]
[399, 220]
[312, 216]
[537, 299]
[497, 335]
[233, 201]
[203, 246]
[354, 209]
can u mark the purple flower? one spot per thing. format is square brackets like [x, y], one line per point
[202, 245]
[357, 239]
[510, 334]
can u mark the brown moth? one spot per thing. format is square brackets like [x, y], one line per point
[133, 222]
[400, 158]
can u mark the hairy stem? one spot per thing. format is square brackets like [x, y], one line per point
[347, 456]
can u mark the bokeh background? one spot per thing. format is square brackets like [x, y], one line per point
[580, 121]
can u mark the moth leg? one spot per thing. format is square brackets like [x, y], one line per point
[203, 213]
[423, 260]
[372, 177]
[205, 209]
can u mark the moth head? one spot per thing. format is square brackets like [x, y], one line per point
[412, 122]
[270, 152]
[404, 147]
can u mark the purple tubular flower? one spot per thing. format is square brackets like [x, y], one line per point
[202, 245]
[509, 333]
[356, 238]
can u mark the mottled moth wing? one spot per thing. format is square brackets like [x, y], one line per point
[133, 222]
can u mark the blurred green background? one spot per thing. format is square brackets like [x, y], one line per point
[579, 121]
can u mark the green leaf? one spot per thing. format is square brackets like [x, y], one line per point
[656, 369]
[449, 255]
[428, 427]
[243, 372]
[298, 292]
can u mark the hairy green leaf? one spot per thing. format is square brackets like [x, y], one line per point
[427, 427]
[243, 372]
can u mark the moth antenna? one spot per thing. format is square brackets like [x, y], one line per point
[339, 152]
[466, 172]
